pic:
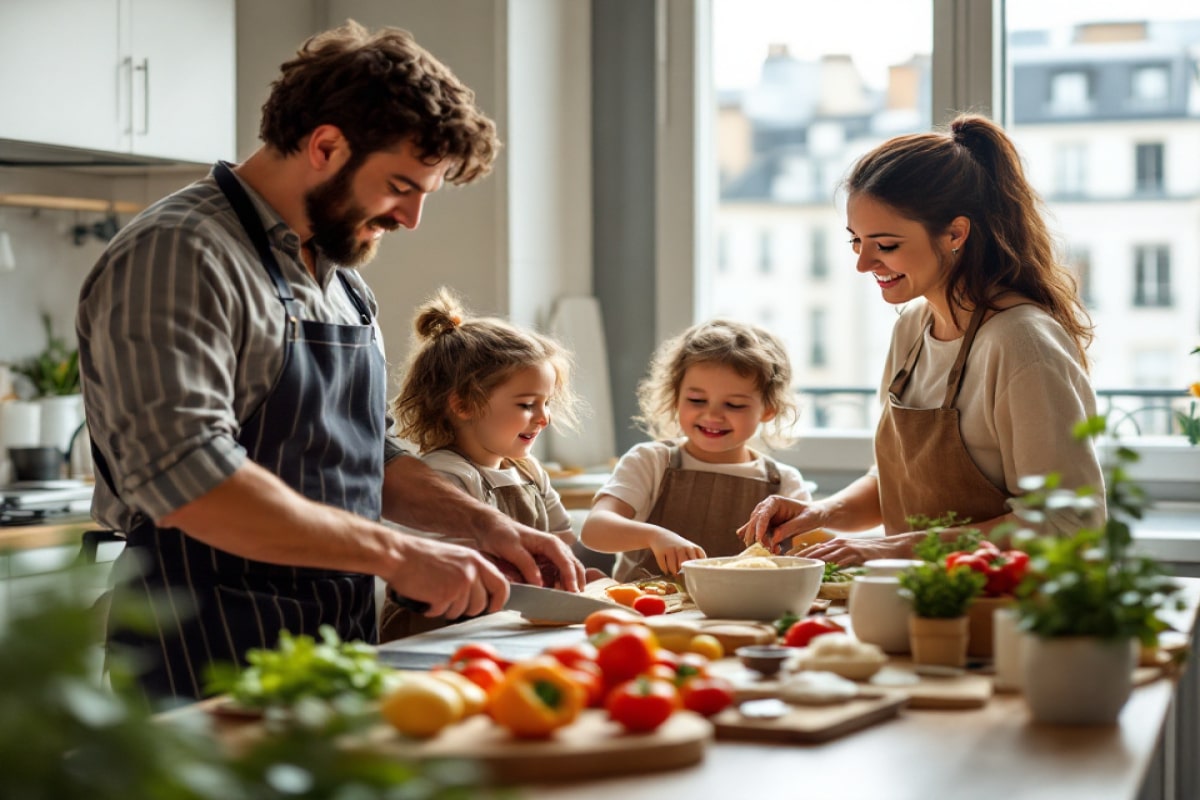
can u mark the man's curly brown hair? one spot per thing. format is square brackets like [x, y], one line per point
[379, 89]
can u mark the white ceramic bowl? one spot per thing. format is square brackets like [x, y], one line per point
[724, 592]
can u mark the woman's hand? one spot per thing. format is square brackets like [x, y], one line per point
[778, 518]
[854, 552]
[671, 550]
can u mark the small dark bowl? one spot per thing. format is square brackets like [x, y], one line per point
[36, 463]
[765, 659]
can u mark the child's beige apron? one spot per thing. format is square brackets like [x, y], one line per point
[522, 502]
[704, 507]
[924, 467]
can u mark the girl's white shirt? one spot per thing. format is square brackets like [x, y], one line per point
[638, 475]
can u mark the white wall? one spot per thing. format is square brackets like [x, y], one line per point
[510, 244]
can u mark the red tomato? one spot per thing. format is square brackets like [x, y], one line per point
[588, 675]
[665, 656]
[480, 650]
[650, 605]
[642, 704]
[624, 651]
[597, 620]
[691, 665]
[483, 672]
[805, 630]
[706, 696]
[572, 654]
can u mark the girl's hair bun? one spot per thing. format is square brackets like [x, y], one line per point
[439, 316]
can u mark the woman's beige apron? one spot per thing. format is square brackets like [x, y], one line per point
[704, 507]
[523, 502]
[924, 467]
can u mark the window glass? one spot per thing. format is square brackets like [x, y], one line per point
[1103, 107]
[799, 98]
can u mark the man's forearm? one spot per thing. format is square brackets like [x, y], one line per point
[418, 497]
[255, 515]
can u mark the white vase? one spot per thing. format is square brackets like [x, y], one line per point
[878, 612]
[61, 417]
[1077, 680]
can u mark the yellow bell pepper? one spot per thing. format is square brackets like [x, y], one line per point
[536, 697]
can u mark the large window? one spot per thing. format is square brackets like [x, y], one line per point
[1098, 97]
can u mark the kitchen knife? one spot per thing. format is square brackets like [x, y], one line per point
[535, 603]
[553, 605]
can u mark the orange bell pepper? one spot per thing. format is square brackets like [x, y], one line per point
[536, 698]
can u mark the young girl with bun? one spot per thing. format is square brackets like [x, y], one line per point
[477, 394]
[708, 392]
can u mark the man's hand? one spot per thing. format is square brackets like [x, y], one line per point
[519, 545]
[455, 581]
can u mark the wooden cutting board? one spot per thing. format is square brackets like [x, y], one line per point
[804, 723]
[961, 691]
[592, 746]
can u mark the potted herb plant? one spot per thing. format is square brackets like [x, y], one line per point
[1087, 601]
[54, 375]
[938, 626]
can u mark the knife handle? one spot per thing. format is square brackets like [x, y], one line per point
[416, 606]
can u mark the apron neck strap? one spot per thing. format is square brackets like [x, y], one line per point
[954, 379]
[252, 223]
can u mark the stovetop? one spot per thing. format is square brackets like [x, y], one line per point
[30, 502]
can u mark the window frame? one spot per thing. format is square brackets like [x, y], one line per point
[969, 71]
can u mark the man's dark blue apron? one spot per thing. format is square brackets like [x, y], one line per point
[321, 430]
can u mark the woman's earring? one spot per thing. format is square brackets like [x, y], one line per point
[953, 251]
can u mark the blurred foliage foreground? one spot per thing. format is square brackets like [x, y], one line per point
[64, 735]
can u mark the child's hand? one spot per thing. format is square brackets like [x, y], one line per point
[671, 550]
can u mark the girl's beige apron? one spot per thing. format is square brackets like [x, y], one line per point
[704, 507]
[924, 467]
[522, 502]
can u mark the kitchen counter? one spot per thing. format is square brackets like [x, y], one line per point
[62, 531]
[991, 752]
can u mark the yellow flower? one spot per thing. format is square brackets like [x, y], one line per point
[1195, 389]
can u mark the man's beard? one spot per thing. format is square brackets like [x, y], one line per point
[336, 220]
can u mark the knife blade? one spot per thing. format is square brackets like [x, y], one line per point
[553, 605]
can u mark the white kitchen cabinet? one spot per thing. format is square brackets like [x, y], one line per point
[143, 77]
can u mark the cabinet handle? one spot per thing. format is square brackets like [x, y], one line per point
[127, 66]
[144, 68]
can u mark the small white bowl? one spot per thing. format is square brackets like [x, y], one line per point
[722, 591]
[890, 566]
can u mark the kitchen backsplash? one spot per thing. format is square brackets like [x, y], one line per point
[50, 267]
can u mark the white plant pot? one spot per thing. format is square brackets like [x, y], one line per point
[1077, 680]
[879, 613]
[61, 417]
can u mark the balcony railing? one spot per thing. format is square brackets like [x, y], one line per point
[1130, 412]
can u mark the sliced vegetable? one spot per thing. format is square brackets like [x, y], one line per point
[536, 698]
[623, 593]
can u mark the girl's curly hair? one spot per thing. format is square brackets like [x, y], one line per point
[748, 349]
[455, 355]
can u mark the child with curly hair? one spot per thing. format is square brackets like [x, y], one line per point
[708, 392]
[477, 393]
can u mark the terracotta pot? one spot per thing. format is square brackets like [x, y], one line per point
[1077, 680]
[980, 613]
[940, 642]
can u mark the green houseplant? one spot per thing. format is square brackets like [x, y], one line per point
[938, 628]
[1087, 599]
[54, 372]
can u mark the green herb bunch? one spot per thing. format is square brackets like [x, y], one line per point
[936, 546]
[1089, 583]
[54, 371]
[938, 592]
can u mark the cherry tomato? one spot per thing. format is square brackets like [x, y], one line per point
[624, 651]
[642, 704]
[690, 665]
[804, 631]
[482, 671]
[595, 622]
[572, 654]
[706, 696]
[587, 674]
[650, 605]
[480, 650]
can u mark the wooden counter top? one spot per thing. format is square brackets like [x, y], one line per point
[990, 752]
[28, 537]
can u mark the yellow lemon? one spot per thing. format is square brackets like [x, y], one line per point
[422, 706]
[706, 645]
[473, 696]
